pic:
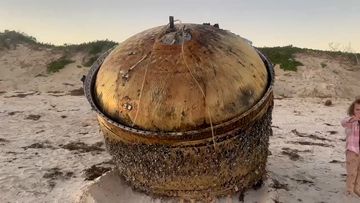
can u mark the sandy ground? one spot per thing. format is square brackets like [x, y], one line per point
[337, 79]
[49, 141]
[46, 144]
[25, 69]
[51, 149]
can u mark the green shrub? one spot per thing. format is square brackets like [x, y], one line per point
[10, 39]
[323, 65]
[99, 47]
[58, 64]
[351, 58]
[91, 48]
[283, 56]
[90, 61]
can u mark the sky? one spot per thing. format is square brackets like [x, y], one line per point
[305, 23]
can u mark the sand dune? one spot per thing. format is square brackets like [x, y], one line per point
[51, 147]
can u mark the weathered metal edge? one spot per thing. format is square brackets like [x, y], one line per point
[89, 84]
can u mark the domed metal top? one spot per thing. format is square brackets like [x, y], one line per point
[180, 78]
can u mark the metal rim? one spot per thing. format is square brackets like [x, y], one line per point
[89, 84]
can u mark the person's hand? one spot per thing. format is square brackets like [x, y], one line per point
[354, 118]
[357, 116]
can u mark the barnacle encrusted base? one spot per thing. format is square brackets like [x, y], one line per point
[213, 168]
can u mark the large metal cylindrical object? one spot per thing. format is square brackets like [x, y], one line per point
[185, 110]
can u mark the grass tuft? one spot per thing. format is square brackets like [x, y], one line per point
[57, 65]
[283, 56]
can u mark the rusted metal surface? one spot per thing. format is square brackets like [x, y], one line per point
[209, 79]
[198, 162]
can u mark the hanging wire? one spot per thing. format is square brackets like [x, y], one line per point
[188, 68]
[143, 82]
[162, 31]
[198, 84]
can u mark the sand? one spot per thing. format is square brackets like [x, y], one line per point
[51, 149]
[306, 162]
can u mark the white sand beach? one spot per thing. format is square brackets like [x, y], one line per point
[51, 149]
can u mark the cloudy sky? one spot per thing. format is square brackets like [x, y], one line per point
[305, 23]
